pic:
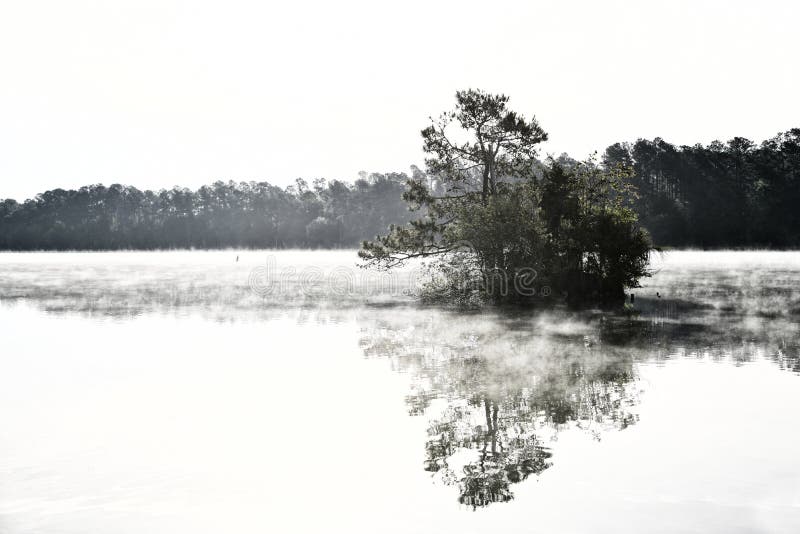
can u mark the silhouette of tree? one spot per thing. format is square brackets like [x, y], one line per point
[484, 155]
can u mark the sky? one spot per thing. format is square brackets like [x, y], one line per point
[156, 94]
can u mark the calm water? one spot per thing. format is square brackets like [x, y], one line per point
[290, 392]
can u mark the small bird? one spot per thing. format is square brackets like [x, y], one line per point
[237, 259]
[658, 294]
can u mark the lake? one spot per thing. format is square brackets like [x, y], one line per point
[290, 391]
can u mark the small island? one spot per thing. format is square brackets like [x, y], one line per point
[501, 224]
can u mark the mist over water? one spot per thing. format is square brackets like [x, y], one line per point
[252, 391]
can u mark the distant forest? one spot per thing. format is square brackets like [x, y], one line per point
[734, 194]
[223, 214]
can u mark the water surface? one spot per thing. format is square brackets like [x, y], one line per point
[185, 392]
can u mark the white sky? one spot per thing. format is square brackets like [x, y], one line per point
[160, 93]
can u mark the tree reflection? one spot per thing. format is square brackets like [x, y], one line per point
[507, 451]
[497, 390]
[496, 396]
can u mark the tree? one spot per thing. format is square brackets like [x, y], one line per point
[595, 247]
[499, 143]
[489, 226]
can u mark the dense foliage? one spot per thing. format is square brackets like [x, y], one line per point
[734, 194]
[501, 224]
[253, 214]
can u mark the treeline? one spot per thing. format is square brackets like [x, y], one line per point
[734, 194]
[224, 214]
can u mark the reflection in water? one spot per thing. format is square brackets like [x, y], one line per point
[508, 451]
[497, 389]
[495, 399]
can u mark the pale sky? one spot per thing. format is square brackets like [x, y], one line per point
[155, 94]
